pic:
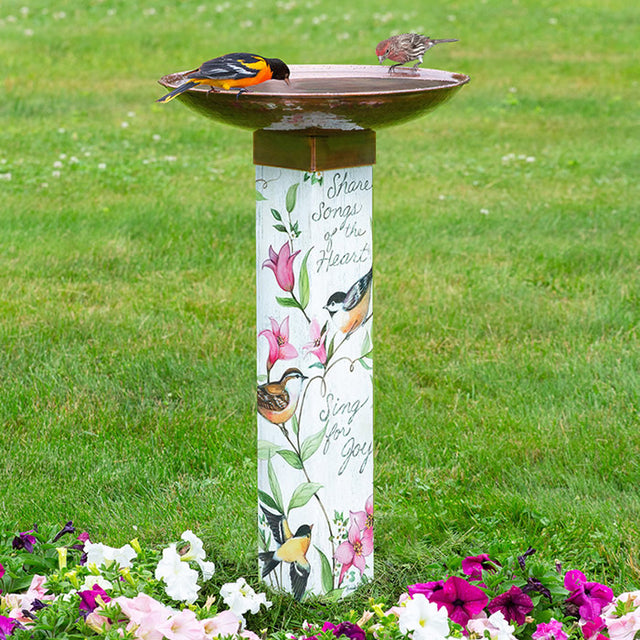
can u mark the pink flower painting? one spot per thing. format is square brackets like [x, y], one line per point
[281, 264]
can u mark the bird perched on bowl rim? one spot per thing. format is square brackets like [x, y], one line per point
[349, 310]
[233, 70]
[277, 401]
[292, 548]
[406, 47]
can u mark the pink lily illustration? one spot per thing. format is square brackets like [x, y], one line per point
[281, 264]
[363, 519]
[353, 551]
[317, 344]
[279, 346]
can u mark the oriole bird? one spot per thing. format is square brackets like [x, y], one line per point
[405, 48]
[349, 310]
[277, 401]
[292, 548]
[233, 70]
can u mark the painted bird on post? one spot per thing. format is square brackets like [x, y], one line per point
[234, 70]
[292, 548]
[405, 48]
[349, 310]
[277, 401]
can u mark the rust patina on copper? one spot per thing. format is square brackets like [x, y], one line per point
[327, 98]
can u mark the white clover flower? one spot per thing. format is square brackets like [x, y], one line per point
[101, 554]
[6, 176]
[102, 165]
[240, 598]
[57, 164]
[423, 619]
[55, 174]
[484, 212]
[180, 578]
[28, 32]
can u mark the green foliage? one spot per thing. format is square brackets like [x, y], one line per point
[506, 296]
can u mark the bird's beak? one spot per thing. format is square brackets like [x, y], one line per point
[381, 59]
[287, 81]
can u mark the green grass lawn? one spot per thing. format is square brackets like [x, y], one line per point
[507, 368]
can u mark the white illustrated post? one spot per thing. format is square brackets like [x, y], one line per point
[314, 361]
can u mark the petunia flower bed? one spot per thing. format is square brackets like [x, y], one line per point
[61, 584]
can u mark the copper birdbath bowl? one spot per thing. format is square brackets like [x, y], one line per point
[326, 98]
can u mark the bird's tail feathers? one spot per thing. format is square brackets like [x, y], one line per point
[269, 563]
[176, 92]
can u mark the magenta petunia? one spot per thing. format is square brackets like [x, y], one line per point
[551, 630]
[461, 599]
[514, 605]
[589, 597]
[473, 566]
[427, 589]
[8, 626]
[89, 598]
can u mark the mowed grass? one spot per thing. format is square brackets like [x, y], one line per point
[507, 368]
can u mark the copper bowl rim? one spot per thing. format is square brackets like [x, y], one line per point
[328, 71]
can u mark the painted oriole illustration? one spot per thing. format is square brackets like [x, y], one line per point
[292, 548]
[349, 310]
[234, 70]
[405, 48]
[277, 401]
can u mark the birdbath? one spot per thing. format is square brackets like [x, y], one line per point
[314, 147]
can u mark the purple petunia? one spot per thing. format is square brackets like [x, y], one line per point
[68, 528]
[348, 629]
[513, 604]
[24, 541]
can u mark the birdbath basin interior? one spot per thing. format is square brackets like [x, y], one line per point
[326, 98]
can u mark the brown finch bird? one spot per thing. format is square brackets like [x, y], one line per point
[405, 48]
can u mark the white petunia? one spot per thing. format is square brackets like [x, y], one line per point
[496, 624]
[101, 554]
[240, 597]
[91, 581]
[423, 619]
[180, 578]
[196, 552]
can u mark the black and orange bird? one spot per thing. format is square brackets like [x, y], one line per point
[234, 70]
[349, 310]
[277, 401]
[406, 47]
[292, 548]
